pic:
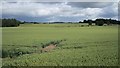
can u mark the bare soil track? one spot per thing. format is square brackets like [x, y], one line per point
[48, 48]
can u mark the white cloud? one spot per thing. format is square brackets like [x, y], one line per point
[58, 11]
[61, 0]
[110, 11]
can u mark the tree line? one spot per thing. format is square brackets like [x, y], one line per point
[99, 22]
[10, 22]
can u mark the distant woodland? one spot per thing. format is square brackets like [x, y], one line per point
[97, 22]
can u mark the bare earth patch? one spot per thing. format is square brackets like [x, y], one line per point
[48, 48]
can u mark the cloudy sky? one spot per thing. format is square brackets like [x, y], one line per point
[59, 11]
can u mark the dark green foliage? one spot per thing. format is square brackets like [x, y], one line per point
[89, 22]
[100, 22]
[35, 23]
[13, 53]
[4, 54]
[10, 23]
[85, 21]
[57, 22]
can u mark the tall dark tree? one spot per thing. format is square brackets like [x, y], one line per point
[85, 21]
[89, 22]
[10, 23]
[99, 22]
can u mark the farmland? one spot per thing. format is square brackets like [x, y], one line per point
[83, 46]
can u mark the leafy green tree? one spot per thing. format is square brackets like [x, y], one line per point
[10, 23]
[99, 22]
[89, 22]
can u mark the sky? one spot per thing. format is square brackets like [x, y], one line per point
[58, 11]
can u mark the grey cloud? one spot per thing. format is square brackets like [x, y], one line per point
[27, 18]
[90, 4]
[110, 11]
[58, 11]
[48, 2]
[108, 14]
